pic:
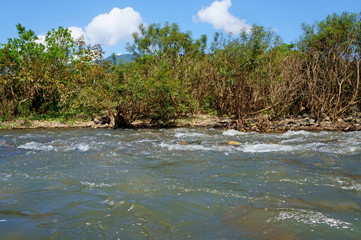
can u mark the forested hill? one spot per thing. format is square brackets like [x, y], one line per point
[120, 58]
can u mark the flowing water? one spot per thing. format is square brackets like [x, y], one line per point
[179, 184]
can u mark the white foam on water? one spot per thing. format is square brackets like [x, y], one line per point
[112, 203]
[29, 135]
[82, 147]
[297, 181]
[190, 147]
[183, 135]
[131, 208]
[346, 151]
[263, 148]
[232, 132]
[37, 146]
[2, 220]
[111, 154]
[327, 142]
[146, 140]
[104, 134]
[96, 185]
[109, 202]
[315, 146]
[351, 145]
[338, 148]
[311, 218]
[323, 147]
[6, 177]
[296, 133]
[207, 190]
[294, 140]
[346, 184]
[225, 148]
[356, 187]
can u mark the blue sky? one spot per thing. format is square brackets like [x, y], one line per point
[110, 22]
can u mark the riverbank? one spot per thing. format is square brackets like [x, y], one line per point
[255, 124]
[43, 124]
[264, 124]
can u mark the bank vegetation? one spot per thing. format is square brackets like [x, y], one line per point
[248, 74]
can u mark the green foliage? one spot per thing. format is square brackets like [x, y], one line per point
[240, 81]
[38, 78]
[174, 75]
[60, 47]
[156, 86]
[332, 51]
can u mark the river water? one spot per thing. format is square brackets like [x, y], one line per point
[179, 184]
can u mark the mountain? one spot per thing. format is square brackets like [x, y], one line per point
[121, 58]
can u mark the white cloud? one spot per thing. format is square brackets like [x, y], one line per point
[113, 27]
[77, 32]
[218, 15]
[41, 39]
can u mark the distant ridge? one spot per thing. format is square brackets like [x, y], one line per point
[121, 58]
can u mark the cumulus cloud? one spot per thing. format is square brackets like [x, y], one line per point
[218, 15]
[76, 32]
[41, 39]
[107, 29]
[113, 27]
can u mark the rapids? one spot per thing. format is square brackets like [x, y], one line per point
[184, 183]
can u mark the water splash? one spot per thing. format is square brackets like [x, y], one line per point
[311, 218]
[37, 146]
[232, 132]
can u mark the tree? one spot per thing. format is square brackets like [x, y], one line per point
[332, 51]
[44, 78]
[158, 84]
[240, 82]
[20, 65]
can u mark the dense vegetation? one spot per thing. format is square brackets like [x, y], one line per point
[173, 74]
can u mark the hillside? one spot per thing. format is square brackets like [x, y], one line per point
[121, 58]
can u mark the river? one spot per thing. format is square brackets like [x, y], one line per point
[181, 183]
